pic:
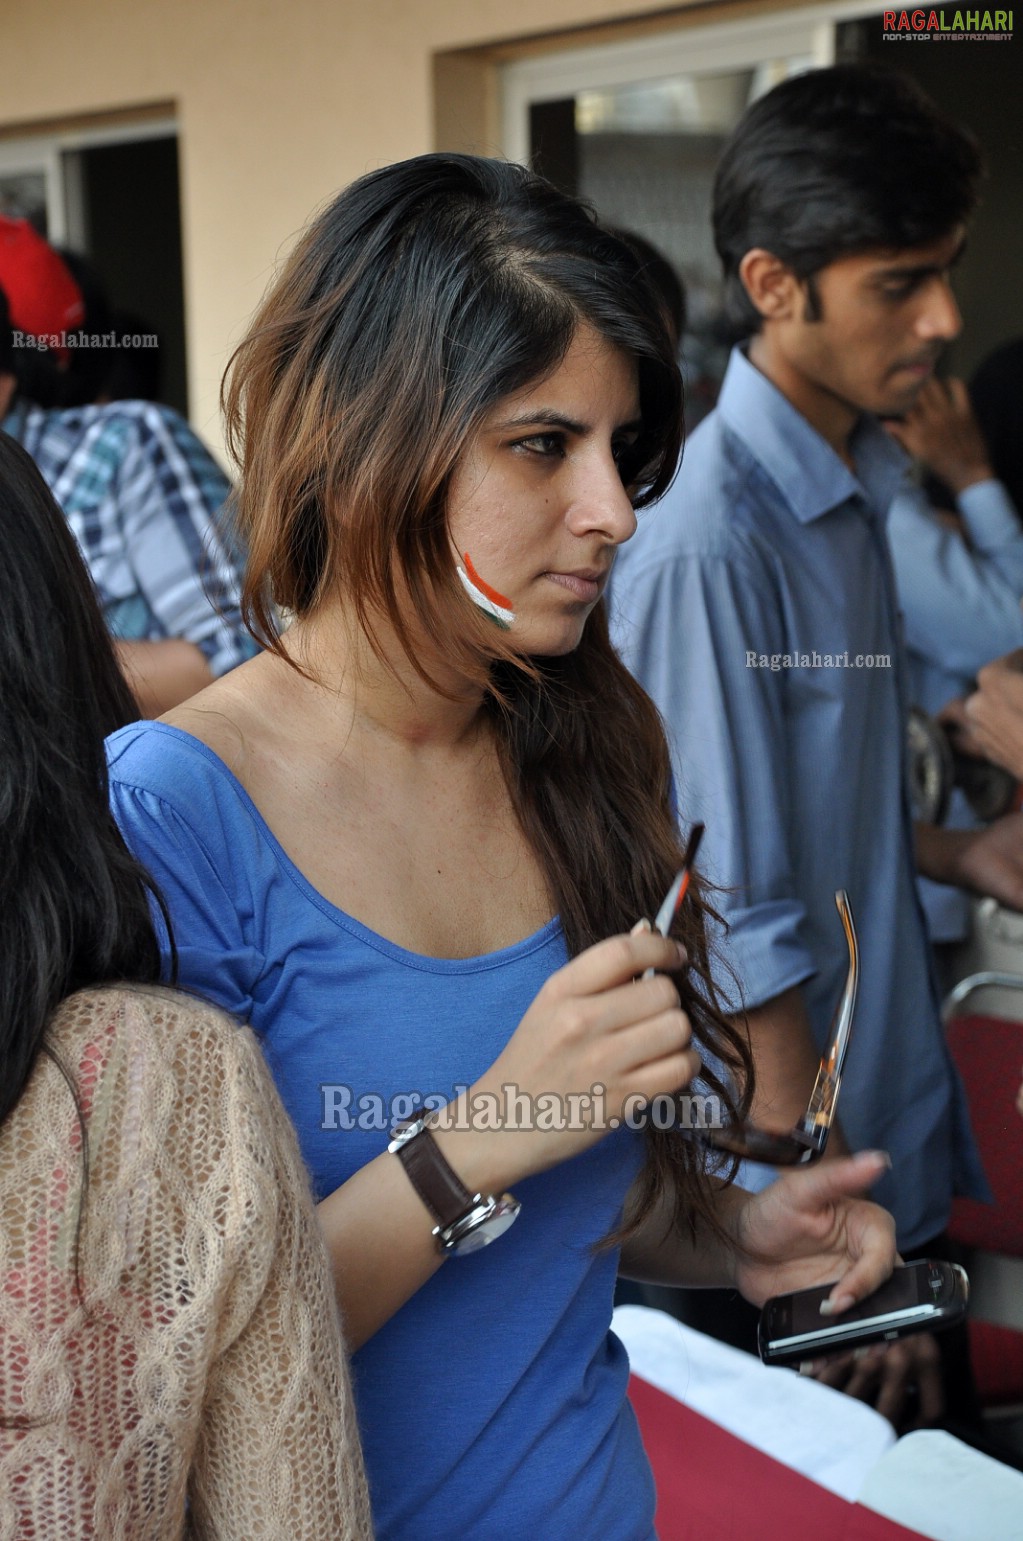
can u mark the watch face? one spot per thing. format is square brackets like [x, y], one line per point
[930, 768]
[481, 1227]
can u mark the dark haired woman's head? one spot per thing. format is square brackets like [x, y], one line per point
[833, 163]
[427, 293]
[662, 276]
[73, 903]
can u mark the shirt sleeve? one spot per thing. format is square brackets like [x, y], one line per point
[960, 601]
[217, 951]
[169, 494]
[687, 628]
[278, 1456]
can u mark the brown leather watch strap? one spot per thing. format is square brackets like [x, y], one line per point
[444, 1195]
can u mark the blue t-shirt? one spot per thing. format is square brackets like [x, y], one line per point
[493, 1404]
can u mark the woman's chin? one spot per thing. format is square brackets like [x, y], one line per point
[553, 638]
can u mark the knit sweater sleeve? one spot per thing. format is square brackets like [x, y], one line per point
[171, 1361]
[278, 1454]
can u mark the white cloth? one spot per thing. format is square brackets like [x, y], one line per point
[829, 1437]
[938, 1486]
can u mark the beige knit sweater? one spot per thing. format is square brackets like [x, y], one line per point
[205, 1361]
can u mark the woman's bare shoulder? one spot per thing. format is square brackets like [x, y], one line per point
[238, 714]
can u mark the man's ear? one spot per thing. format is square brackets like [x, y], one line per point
[7, 388]
[772, 286]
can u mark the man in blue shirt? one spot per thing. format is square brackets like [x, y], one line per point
[959, 587]
[757, 605]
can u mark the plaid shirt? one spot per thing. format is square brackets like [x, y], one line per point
[141, 494]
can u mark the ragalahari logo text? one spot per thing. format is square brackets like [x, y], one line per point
[924, 26]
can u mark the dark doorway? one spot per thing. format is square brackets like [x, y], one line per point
[131, 233]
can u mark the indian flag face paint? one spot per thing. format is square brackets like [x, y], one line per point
[484, 597]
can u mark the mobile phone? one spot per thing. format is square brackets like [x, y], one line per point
[928, 1296]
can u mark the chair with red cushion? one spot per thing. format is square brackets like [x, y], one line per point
[988, 1052]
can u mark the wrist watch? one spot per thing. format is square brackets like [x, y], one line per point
[465, 1221]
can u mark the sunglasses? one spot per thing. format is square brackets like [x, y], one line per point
[679, 887]
[807, 1141]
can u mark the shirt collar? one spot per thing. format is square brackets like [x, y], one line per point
[810, 476]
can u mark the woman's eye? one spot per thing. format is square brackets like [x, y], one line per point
[547, 444]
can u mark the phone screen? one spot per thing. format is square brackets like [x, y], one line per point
[908, 1289]
[927, 1295]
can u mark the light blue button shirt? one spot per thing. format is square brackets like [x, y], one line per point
[960, 602]
[961, 608]
[743, 604]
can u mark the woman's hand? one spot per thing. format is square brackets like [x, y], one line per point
[595, 1023]
[813, 1226]
[598, 1038]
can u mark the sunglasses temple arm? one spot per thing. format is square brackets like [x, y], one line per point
[815, 1124]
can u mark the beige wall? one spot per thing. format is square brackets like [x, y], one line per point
[278, 105]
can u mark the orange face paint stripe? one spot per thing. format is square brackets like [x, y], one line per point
[485, 588]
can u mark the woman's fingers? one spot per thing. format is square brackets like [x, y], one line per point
[615, 961]
[828, 1192]
[622, 1005]
[671, 1074]
[598, 1022]
[637, 1049]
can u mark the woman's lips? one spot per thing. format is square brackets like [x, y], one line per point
[583, 588]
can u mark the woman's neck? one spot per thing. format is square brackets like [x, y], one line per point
[374, 688]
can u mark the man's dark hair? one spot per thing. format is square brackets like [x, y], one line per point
[834, 162]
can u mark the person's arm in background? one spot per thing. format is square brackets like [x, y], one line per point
[960, 597]
[787, 1060]
[170, 496]
[989, 723]
[162, 674]
[725, 723]
[987, 861]
[960, 602]
[962, 607]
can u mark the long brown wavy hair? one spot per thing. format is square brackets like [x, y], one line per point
[420, 298]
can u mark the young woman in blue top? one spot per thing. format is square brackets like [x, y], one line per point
[411, 841]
